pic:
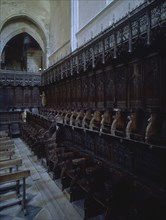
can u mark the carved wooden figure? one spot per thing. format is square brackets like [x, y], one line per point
[67, 117]
[95, 122]
[73, 117]
[116, 122]
[79, 118]
[132, 124]
[106, 122]
[87, 118]
[151, 128]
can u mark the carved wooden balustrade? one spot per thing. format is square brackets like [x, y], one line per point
[138, 27]
[19, 78]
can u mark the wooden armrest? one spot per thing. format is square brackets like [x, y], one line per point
[78, 160]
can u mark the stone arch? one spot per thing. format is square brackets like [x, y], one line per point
[10, 33]
[19, 24]
[25, 18]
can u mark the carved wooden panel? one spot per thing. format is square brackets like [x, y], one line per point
[73, 93]
[122, 156]
[152, 82]
[89, 141]
[64, 95]
[68, 94]
[55, 96]
[35, 97]
[79, 93]
[135, 84]
[103, 148]
[91, 91]
[121, 87]
[109, 89]
[78, 137]
[100, 91]
[19, 97]
[2, 96]
[50, 98]
[9, 98]
[59, 95]
[149, 164]
[85, 92]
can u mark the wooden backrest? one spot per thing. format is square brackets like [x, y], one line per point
[10, 163]
[7, 147]
[8, 177]
[4, 154]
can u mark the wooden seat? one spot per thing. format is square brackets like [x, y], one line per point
[16, 177]
[6, 155]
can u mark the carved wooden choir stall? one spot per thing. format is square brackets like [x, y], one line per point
[102, 125]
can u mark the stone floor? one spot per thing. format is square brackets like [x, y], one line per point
[44, 199]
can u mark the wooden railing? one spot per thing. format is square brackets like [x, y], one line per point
[19, 78]
[122, 38]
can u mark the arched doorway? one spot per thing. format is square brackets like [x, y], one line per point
[23, 53]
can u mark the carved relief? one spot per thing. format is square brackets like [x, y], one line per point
[100, 92]
[131, 125]
[135, 86]
[109, 90]
[87, 118]
[121, 87]
[152, 85]
[91, 94]
[117, 122]
[106, 122]
[80, 116]
[95, 122]
[85, 93]
[79, 98]
[151, 128]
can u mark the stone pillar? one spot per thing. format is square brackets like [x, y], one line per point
[74, 24]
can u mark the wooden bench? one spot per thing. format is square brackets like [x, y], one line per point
[6, 155]
[4, 138]
[7, 142]
[9, 164]
[7, 147]
[16, 177]
[3, 134]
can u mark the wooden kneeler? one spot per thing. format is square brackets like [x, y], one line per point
[16, 177]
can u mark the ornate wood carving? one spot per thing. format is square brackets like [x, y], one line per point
[91, 93]
[135, 82]
[109, 89]
[152, 82]
[121, 87]
[85, 92]
[100, 91]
